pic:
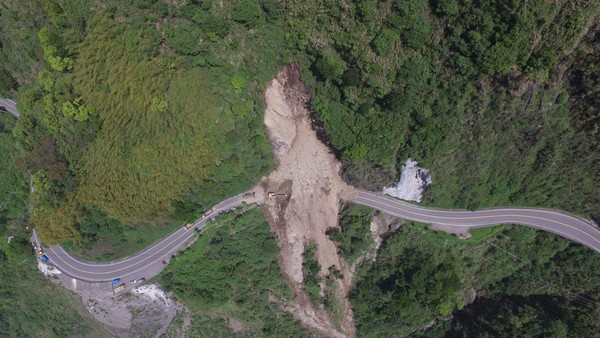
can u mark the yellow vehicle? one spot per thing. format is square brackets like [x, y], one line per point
[119, 288]
[208, 212]
[40, 252]
[189, 225]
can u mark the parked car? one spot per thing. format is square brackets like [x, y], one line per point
[116, 281]
[45, 258]
[40, 252]
[133, 281]
[141, 280]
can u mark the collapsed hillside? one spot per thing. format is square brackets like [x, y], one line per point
[309, 189]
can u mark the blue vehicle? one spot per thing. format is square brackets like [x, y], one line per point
[45, 258]
[116, 280]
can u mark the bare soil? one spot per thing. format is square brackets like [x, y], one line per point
[309, 190]
[125, 315]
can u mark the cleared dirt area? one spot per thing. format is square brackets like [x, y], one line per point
[144, 311]
[309, 189]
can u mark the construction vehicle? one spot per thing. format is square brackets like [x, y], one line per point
[119, 288]
[207, 212]
[275, 194]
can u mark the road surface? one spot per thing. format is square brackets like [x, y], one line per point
[147, 263]
[557, 222]
[10, 106]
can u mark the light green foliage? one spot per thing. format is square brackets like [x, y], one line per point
[77, 110]
[159, 105]
[237, 81]
[49, 41]
[232, 272]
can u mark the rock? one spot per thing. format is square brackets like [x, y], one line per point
[413, 181]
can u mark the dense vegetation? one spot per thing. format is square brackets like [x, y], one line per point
[142, 111]
[354, 236]
[140, 114]
[30, 306]
[421, 275]
[232, 273]
[476, 90]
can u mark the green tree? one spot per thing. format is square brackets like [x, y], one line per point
[247, 12]
[331, 65]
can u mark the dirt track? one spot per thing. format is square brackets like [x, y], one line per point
[308, 179]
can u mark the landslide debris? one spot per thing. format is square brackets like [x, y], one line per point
[309, 189]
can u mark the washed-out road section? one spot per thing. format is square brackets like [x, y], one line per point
[149, 262]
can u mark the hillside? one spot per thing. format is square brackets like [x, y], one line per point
[137, 116]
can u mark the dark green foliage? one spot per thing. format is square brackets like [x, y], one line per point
[7, 82]
[14, 185]
[355, 235]
[556, 297]
[312, 272]
[232, 272]
[246, 12]
[330, 65]
[185, 38]
[405, 287]
[478, 98]
[384, 41]
[31, 306]
[421, 274]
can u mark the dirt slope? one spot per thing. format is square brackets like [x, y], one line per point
[308, 175]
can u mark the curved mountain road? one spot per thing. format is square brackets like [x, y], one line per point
[149, 262]
[557, 222]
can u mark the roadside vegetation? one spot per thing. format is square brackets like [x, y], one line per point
[231, 282]
[422, 277]
[139, 115]
[30, 306]
[495, 97]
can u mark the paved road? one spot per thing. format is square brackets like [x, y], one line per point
[149, 262]
[10, 106]
[557, 222]
[146, 264]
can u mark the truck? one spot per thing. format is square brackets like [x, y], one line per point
[119, 288]
[45, 258]
[189, 225]
[208, 212]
